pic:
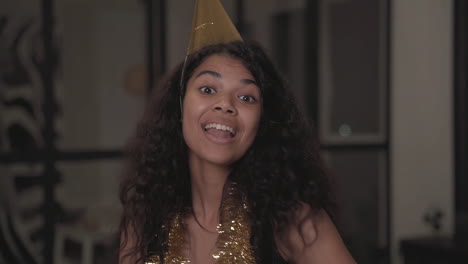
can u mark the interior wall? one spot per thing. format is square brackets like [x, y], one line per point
[421, 117]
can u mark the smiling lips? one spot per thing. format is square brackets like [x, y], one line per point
[219, 131]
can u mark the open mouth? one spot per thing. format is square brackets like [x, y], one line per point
[219, 131]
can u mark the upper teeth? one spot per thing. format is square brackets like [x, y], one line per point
[220, 127]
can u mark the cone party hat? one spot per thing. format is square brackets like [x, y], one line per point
[211, 25]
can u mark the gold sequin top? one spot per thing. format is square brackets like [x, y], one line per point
[234, 232]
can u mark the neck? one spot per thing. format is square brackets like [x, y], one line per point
[207, 189]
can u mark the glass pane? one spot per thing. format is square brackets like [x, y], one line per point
[359, 179]
[353, 71]
[102, 89]
[21, 195]
[21, 218]
[21, 89]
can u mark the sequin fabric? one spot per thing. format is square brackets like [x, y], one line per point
[233, 244]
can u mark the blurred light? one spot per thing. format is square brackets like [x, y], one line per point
[345, 130]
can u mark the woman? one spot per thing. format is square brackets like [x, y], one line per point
[224, 170]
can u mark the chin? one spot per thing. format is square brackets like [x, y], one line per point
[221, 160]
[218, 158]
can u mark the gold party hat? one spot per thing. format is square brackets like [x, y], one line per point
[211, 25]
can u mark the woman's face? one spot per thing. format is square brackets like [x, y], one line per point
[221, 111]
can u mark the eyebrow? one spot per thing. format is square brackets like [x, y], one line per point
[219, 76]
[212, 73]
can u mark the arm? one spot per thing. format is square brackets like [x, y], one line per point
[312, 238]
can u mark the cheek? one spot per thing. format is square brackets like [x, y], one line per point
[190, 107]
[188, 118]
[192, 112]
[253, 122]
[190, 132]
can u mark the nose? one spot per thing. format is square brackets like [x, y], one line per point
[226, 106]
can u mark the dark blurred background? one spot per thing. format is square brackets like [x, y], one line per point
[383, 81]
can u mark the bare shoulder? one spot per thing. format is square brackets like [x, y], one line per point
[311, 237]
[127, 246]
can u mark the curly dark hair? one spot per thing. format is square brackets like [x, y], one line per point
[281, 170]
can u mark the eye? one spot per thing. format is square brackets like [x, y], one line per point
[207, 90]
[248, 98]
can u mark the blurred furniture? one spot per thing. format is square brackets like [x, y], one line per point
[89, 240]
[435, 250]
